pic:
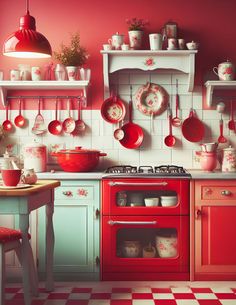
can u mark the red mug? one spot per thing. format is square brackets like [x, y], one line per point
[11, 177]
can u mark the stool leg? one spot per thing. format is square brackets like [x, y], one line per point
[2, 274]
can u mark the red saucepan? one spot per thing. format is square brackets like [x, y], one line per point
[133, 133]
[193, 128]
[78, 159]
[113, 109]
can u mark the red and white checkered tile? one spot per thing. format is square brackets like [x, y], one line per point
[108, 295]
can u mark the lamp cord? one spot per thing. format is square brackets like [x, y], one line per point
[27, 6]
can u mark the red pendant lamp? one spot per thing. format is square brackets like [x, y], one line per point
[27, 42]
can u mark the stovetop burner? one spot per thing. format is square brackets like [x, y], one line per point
[163, 170]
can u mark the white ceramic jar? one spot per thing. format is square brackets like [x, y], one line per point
[35, 156]
[229, 160]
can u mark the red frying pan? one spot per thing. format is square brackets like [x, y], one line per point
[133, 133]
[193, 128]
[113, 110]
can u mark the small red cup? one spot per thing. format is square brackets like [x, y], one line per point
[11, 177]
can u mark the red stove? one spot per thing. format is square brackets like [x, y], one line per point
[145, 223]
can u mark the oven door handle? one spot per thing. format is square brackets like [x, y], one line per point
[139, 183]
[115, 222]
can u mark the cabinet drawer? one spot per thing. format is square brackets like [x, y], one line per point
[223, 190]
[81, 192]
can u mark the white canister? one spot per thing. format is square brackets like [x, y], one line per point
[35, 156]
[229, 160]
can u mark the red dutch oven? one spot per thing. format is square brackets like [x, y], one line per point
[78, 159]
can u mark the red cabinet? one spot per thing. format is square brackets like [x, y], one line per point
[214, 229]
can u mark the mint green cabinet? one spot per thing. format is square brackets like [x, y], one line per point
[76, 227]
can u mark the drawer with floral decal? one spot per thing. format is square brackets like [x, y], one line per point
[72, 192]
[217, 190]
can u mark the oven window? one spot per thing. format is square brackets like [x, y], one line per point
[149, 198]
[147, 243]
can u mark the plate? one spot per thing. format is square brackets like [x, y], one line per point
[152, 99]
[113, 110]
[18, 186]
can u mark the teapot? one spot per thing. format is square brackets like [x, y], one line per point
[229, 160]
[225, 71]
[116, 40]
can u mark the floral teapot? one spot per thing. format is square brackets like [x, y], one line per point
[29, 176]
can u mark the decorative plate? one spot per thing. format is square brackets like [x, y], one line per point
[113, 110]
[151, 99]
[18, 186]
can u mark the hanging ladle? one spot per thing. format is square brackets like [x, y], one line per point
[231, 123]
[19, 119]
[176, 121]
[170, 139]
[68, 124]
[119, 132]
[79, 124]
[221, 138]
[55, 126]
[7, 124]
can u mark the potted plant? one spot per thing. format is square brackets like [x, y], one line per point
[136, 27]
[71, 57]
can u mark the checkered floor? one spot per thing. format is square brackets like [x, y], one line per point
[146, 294]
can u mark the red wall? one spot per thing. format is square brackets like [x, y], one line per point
[210, 22]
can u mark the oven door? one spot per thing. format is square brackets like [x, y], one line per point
[145, 196]
[144, 245]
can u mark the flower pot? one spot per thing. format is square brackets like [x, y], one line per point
[71, 72]
[60, 72]
[135, 39]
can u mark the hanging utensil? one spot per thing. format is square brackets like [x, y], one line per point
[192, 128]
[231, 123]
[19, 119]
[221, 138]
[55, 126]
[68, 124]
[79, 124]
[133, 133]
[176, 121]
[119, 133]
[7, 124]
[39, 125]
[170, 140]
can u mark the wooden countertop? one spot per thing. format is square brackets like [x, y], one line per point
[39, 186]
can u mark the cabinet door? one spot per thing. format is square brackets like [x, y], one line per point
[215, 239]
[76, 230]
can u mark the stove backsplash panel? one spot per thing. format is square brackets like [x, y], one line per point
[99, 134]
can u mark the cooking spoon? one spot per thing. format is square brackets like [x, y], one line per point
[79, 124]
[176, 121]
[19, 119]
[68, 124]
[7, 124]
[170, 139]
[55, 126]
[221, 138]
[231, 123]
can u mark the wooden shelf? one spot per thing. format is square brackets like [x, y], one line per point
[217, 85]
[5, 86]
[147, 60]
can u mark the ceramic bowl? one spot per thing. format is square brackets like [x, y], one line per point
[192, 45]
[151, 202]
[131, 248]
[167, 201]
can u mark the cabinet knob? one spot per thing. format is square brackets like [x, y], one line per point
[198, 213]
[67, 193]
[226, 193]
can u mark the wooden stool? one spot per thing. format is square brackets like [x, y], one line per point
[11, 240]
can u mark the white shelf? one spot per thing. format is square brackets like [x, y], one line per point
[147, 60]
[217, 85]
[5, 86]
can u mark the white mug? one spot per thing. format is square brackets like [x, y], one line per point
[155, 41]
[36, 74]
[124, 47]
[181, 43]
[25, 71]
[85, 74]
[172, 44]
[14, 75]
[116, 41]
[107, 47]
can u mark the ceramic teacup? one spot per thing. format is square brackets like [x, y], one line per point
[11, 177]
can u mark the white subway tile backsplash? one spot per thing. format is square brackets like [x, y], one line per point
[99, 133]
